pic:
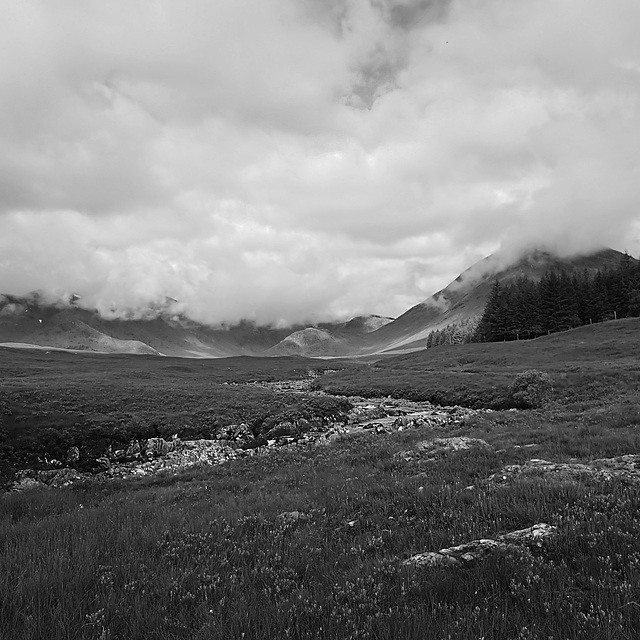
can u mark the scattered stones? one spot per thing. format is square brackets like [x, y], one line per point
[478, 549]
[623, 468]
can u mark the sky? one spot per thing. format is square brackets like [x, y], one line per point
[293, 160]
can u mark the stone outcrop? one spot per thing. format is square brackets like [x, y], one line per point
[437, 447]
[157, 447]
[31, 479]
[235, 433]
[623, 468]
[181, 455]
[477, 549]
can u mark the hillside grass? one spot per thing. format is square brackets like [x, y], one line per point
[204, 554]
[587, 363]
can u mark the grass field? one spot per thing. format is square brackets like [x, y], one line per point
[207, 554]
[592, 361]
[50, 402]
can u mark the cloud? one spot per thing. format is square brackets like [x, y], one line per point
[285, 160]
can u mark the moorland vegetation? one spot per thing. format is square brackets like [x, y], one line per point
[310, 541]
[52, 402]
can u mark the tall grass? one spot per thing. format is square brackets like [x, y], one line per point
[203, 554]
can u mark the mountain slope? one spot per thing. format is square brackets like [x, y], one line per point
[465, 298]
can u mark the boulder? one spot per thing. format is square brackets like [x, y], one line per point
[58, 477]
[623, 468]
[282, 429]
[432, 449]
[483, 547]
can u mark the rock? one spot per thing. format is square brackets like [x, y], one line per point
[623, 468]
[58, 477]
[157, 447]
[531, 536]
[73, 455]
[133, 450]
[432, 449]
[236, 432]
[455, 555]
[282, 429]
[291, 517]
[478, 549]
[366, 412]
[103, 464]
[25, 484]
[438, 446]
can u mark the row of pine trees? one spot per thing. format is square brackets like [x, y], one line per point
[527, 309]
[559, 301]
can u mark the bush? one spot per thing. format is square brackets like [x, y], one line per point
[531, 388]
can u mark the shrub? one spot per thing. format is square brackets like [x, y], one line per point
[531, 388]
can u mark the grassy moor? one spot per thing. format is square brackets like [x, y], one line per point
[402, 528]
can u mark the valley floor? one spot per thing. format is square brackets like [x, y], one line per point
[503, 524]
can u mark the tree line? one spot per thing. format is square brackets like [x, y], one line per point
[559, 301]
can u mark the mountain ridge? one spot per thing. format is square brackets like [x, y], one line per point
[165, 330]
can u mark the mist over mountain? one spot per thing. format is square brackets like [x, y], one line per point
[165, 329]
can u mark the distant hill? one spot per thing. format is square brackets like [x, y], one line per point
[34, 320]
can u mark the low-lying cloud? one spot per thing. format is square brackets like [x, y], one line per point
[283, 161]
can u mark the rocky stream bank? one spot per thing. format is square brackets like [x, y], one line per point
[155, 455]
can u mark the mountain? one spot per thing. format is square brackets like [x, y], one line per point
[164, 330]
[32, 320]
[464, 299]
[310, 342]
